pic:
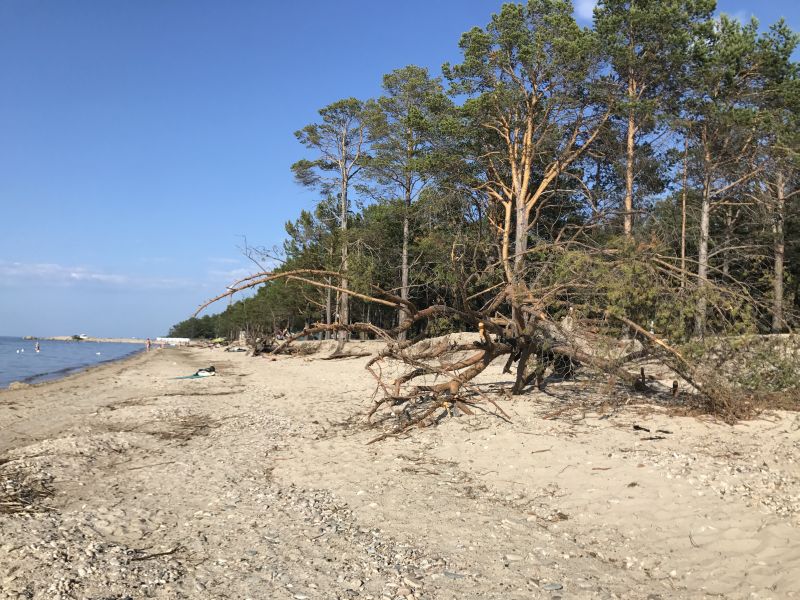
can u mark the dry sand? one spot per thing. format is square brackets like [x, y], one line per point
[258, 483]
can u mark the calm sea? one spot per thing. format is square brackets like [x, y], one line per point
[19, 360]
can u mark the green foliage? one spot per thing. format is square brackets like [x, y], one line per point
[752, 363]
[337, 141]
[430, 159]
[625, 279]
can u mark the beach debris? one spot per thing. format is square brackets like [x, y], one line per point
[451, 575]
[200, 373]
[552, 587]
[513, 322]
[22, 488]
[645, 429]
[434, 377]
[156, 554]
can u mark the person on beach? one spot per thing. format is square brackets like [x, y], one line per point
[147, 344]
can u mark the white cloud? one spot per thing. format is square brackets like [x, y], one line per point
[224, 261]
[585, 9]
[86, 275]
[218, 274]
[230, 275]
[743, 16]
[54, 273]
[19, 273]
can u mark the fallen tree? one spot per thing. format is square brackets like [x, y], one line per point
[579, 313]
[547, 270]
[536, 274]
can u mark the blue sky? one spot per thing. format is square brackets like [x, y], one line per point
[142, 141]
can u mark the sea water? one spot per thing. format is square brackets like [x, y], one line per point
[19, 360]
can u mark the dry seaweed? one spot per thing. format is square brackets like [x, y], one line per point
[21, 489]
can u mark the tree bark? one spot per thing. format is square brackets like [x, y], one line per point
[520, 249]
[344, 306]
[778, 249]
[629, 153]
[683, 209]
[702, 257]
[404, 314]
[328, 308]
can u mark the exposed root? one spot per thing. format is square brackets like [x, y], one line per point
[419, 381]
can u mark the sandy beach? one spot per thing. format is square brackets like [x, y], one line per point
[259, 483]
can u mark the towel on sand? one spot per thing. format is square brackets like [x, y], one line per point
[207, 372]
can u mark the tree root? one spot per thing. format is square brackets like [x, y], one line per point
[530, 337]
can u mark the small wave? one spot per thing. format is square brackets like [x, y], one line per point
[58, 374]
[65, 363]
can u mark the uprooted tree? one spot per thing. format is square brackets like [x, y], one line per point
[532, 263]
[571, 315]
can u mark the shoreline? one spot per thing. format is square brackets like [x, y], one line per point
[259, 483]
[104, 340]
[67, 373]
[43, 378]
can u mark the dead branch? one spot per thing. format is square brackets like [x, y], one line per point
[419, 381]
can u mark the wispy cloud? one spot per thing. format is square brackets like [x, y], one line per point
[218, 274]
[229, 275]
[228, 270]
[20, 273]
[743, 16]
[224, 261]
[584, 9]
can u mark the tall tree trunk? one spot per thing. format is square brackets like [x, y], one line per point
[629, 153]
[344, 308]
[520, 249]
[778, 249]
[329, 295]
[683, 209]
[328, 307]
[404, 314]
[702, 255]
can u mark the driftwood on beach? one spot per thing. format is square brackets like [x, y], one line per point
[419, 380]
